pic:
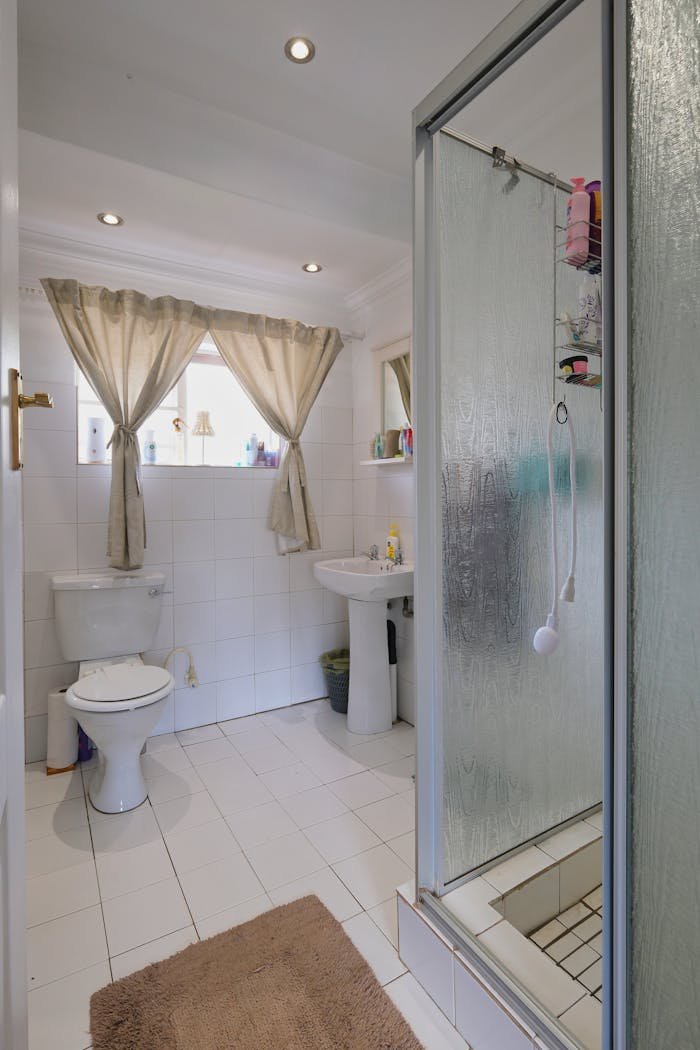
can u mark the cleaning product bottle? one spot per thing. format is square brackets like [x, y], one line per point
[593, 189]
[392, 543]
[149, 448]
[578, 210]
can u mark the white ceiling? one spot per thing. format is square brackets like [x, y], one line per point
[188, 120]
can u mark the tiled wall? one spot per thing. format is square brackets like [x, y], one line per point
[256, 622]
[383, 494]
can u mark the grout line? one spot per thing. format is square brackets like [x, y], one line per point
[97, 877]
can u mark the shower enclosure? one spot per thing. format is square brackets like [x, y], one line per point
[514, 747]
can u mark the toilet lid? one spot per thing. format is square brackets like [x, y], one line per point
[121, 682]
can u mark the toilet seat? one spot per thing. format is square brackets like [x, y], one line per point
[119, 687]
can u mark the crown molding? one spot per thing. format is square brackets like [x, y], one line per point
[380, 286]
[39, 250]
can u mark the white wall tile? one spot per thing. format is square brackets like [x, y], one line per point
[308, 683]
[193, 498]
[193, 581]
[235, 698]
[233, 498]
[271, 575]
[93, 498]
[35, 730]
[307, 644]
[92, 546]
[193, 540]
[48, 500]
[481, 1018]
[41, 648]
[337, 497]
[272, 651]
[337, 425]
[234, 618]
[193, 623]
[38, 596]
[235, 657]
[49, 453]
[234, 577]
[62, 416]
[233, 537]
[159, 543]
[39, 681]
[335, 607]
[157, 497]
[195, 707]
[272, 613]
[307, 608]
[272, 689]
[50, 547]
[262, 496]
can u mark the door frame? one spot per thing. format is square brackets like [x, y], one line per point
[13, 990]
[526, 24]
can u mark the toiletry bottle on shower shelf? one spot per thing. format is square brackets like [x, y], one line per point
[593, 189]
[578, 210]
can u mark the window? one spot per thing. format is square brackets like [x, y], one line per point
[206, 385]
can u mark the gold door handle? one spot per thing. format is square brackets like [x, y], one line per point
[38, 400]
[18, 401]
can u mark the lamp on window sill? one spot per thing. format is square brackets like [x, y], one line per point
[203, 428]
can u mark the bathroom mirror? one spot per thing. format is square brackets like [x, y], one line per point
[393, 385]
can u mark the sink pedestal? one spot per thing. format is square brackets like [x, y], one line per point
[369, 702]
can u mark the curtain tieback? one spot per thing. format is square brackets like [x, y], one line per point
[128, 436]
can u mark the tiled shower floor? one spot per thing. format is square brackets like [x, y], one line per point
[574, 940]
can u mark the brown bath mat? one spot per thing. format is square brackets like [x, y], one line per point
[290, 979]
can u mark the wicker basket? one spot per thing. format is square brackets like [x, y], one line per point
[336, 669]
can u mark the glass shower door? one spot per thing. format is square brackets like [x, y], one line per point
[521, 733]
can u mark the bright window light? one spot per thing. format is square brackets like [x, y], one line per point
[207, 385]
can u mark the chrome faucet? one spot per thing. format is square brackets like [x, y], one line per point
[398, 557]
[373, 553]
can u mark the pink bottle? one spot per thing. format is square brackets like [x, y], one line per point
[577, 218]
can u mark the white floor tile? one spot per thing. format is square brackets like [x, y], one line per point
[376, 753]
[374, 946]
[47, 791]
[405, 847]
[397, 775]
[372, 877]
[334, 767]
[161, 742]
[253, 827]
[270, 756]
[284, 859]
[389, 818]
[517, 869]
[61, 893]
[186, 812]
[144, 915]
[64, 946]
[55, 818]
[199, 734]
[430, 1025]
[154, 951]
[126, 830]
[59, 1013]
[313, 806]
[569, 840]
[174, 785]
[385, 915]
[170, 760]
[290, 780]
[54, 852]
[219, 886]
[471, 905]
[585, 1020]
[253, 738]
[210, 751]
[341, 837]
[125, 870]
[360, 790]
[234, 726]
[326, 885]
[194, 847]
[240, 913]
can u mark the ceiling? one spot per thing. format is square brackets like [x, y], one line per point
[188, 120]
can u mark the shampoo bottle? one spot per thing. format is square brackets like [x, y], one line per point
[149, 448]
[578, 212]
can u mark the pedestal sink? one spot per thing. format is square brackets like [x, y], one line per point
[367, 585]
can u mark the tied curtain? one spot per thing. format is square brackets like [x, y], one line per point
[281, 364]
[132, 350]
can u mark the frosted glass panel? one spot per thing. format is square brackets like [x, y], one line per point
[522, 733]
[664, 378]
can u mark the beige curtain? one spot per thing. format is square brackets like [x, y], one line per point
[281, 365]
[402, 369]
[132, 350]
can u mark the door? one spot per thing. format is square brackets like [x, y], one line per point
[13, 1007]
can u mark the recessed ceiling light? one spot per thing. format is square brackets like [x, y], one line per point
[312, 267]
[110, 218]
[299, 49]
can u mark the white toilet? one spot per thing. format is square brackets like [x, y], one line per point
[105, 621]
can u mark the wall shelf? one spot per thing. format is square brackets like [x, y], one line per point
[396, 460]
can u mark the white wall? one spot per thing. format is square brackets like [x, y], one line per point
[383, 494]
[256, 622]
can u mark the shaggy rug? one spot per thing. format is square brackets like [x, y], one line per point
[289, 979]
